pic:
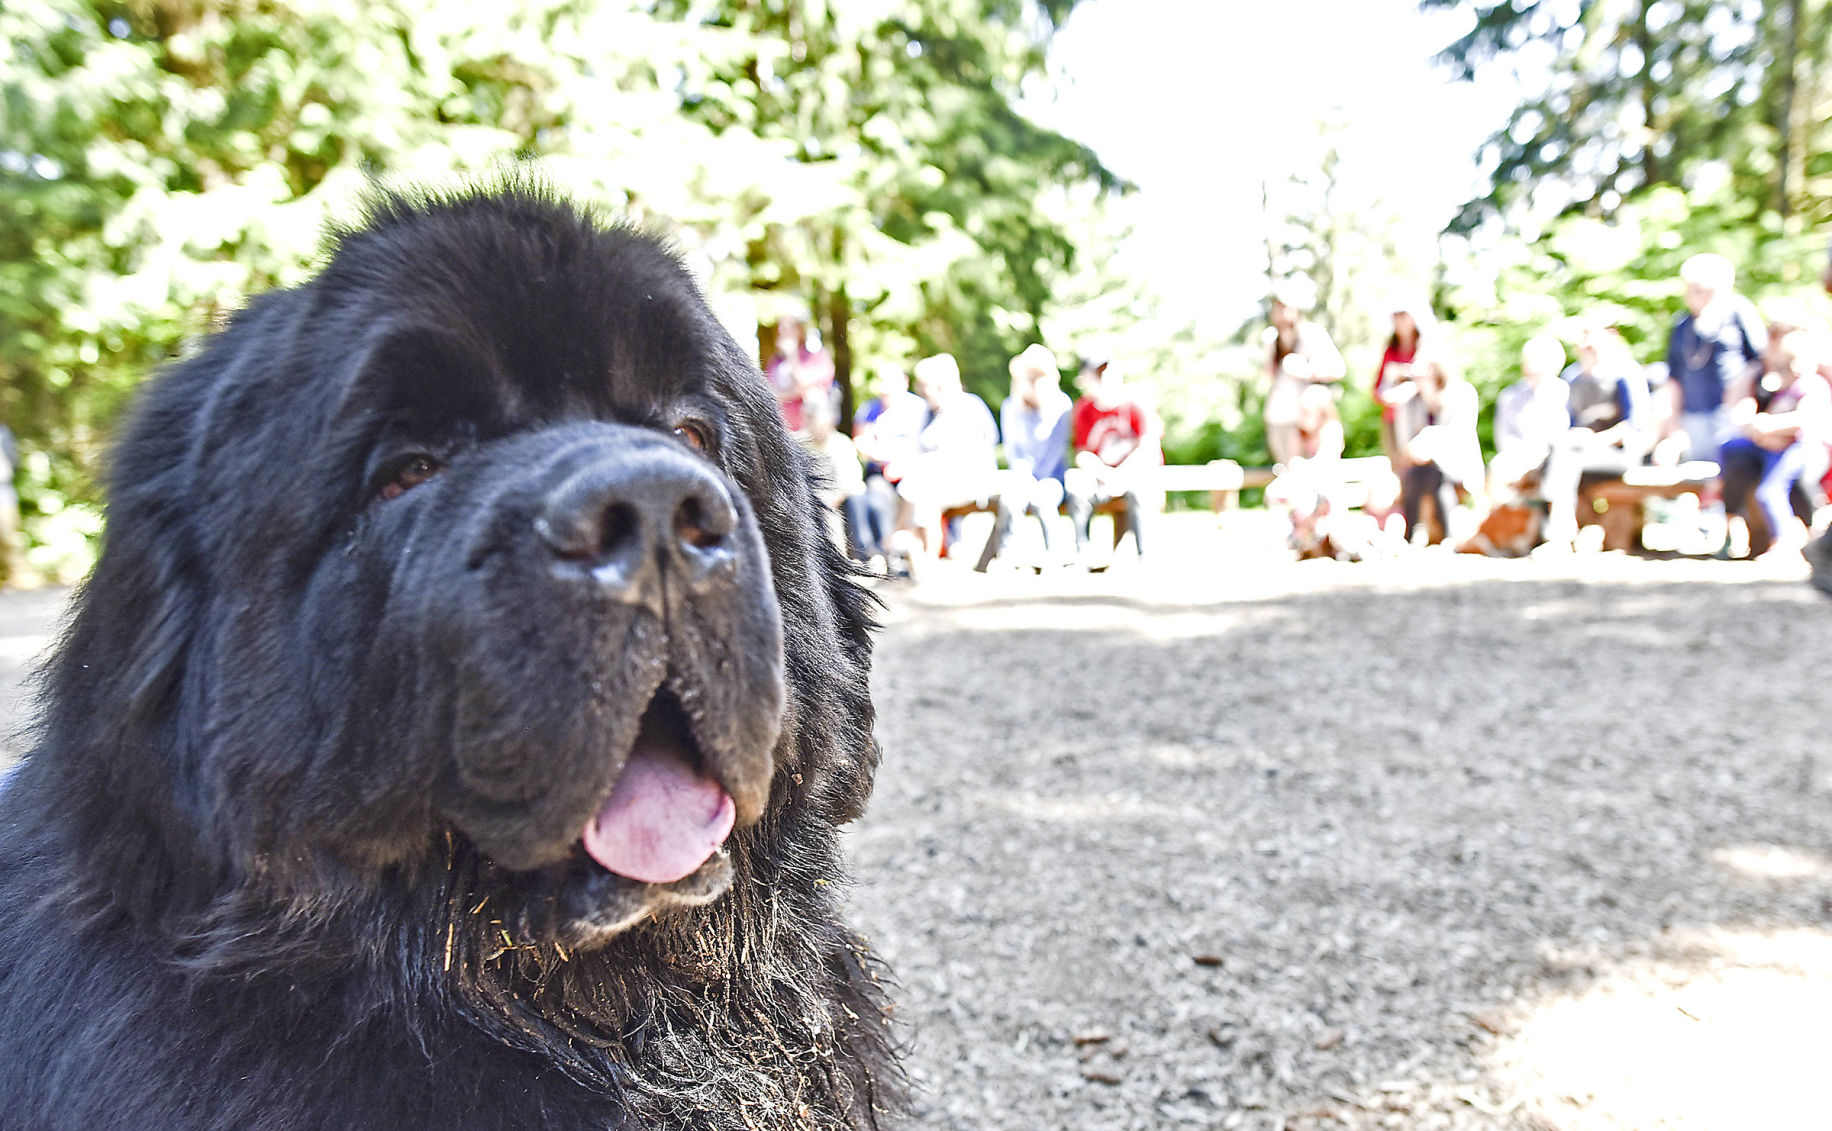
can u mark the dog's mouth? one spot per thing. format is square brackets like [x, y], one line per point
[658, 837]
[665, 816]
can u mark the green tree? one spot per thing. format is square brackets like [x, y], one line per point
[940, 239]
[161, 159]
[1642, 93]
[1333, 237]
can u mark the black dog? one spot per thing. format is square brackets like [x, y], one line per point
[456, 726]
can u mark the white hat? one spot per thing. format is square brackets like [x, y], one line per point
[1713, 272]
[938, 369]
[1035, 359]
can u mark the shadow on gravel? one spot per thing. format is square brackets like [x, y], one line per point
[1358, 857]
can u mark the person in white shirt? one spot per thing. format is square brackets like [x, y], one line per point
[1529, 415]
[956, 460]
[1299, 354]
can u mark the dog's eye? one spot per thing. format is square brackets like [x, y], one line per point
[410, 473]
[693, 435]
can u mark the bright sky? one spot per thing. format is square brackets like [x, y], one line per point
[1197, 100]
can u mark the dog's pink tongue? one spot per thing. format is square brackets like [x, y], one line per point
[662, 821]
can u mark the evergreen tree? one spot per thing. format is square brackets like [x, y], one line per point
[938, 239]
[161, 159]
[1643, 93]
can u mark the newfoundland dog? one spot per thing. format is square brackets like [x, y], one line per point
[457, 726]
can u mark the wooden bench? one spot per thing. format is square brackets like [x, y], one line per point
[1616, 504]
[1222, 480]
[1355, 476]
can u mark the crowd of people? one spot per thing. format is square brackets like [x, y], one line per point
[1739, 410]
[916, 461]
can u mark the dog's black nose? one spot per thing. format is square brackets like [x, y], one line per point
[638, 522]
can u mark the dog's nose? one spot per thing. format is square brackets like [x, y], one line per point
[641, 522]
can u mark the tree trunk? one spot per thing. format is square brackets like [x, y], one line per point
[839, 339]
[1644, 42]
[1272, 256]
[1784, 117]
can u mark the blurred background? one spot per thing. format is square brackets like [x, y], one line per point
[1124, 177]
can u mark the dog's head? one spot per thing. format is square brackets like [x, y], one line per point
[486, 542]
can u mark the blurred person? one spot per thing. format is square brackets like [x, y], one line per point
[1742, 466]
[891, 418]
[1783, 431]
[1034, 424]
[955, 462]
[1320, 436]
[1782, 316]
[1818, 552]
[1529, 415]
[1308, 487]
[1413, 324]
[1438, 453]
[1611, 427]
[842, 483]
[1716, 344]
[1300, 354]
[1118, 443]
[885, 431]
[797, 370]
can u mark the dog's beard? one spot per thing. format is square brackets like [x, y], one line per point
[724, 1017]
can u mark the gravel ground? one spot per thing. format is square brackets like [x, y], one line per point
[28, 619]
[1223, 841]
[1445, 842]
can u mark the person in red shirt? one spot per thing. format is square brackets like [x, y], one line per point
[798, 370]
[1412, 323]
[1118, 442]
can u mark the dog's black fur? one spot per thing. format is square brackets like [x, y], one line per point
[298, 843]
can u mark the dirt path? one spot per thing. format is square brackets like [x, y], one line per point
[28, 618]
[1227, 842]
[1441, 843]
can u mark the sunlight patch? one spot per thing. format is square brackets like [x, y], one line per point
[1100, 809]
[1727, 1032]
[1772, 861]
[1114, 616]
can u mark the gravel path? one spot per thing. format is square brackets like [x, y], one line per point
[1437, 843]
[28, 620]
[1221, 841]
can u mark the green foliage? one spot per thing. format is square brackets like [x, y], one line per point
[160, 160]
[1625, 271]
[937, 238]
[1643, 93]
[1664, 128]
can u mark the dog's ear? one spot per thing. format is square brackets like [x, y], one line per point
[850, 755]
[137, 621]
[827, 615]
[834, 713]
[115, 751]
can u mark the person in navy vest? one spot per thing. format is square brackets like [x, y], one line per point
[1715, 346]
